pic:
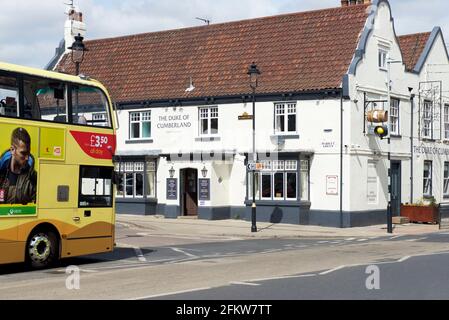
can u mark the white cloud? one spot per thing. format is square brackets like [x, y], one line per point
[30, 30]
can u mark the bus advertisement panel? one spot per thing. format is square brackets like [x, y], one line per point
[18, 170]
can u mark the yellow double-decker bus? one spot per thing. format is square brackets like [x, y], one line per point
[57, 142]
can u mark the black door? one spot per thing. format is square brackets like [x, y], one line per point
[189, 199]
[396, 188]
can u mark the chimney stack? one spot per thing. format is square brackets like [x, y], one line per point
[74, 25]
[346, 3]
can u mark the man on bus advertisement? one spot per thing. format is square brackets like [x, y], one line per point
[18, 176]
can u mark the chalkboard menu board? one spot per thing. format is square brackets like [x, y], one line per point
[204, 189]
[172, 189]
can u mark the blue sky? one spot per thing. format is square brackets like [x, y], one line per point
[30, 30]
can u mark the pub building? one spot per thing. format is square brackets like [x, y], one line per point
[185, 107]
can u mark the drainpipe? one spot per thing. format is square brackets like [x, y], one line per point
[412, 104]
[341, 159]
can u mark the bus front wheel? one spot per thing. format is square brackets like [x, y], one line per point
[42, 249]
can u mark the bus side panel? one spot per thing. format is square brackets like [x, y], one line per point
[82, 247]
[12, 252]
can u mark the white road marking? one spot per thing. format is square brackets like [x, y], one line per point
[404, 259]
[187, 237]
[81, 270]
[183, 252]
[413, 240]
[350, 239]
[283, 277]
[362, 240]
[245, 283]
[332, 270]
[322, 242]
[269, 251]
[137, 250]
[139, 254]
[395, 237]
[171, 293]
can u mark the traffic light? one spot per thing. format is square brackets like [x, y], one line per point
[381, 131]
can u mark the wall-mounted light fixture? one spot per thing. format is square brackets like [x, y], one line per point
[204, 172]
[171, 172]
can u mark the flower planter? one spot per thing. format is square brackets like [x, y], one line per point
[415, 213]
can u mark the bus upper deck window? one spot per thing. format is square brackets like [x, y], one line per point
[45, 99]
[90, 107]
[9, 96]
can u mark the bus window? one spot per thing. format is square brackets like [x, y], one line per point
[9, 97]
[45, 100]
[90, 107]
[95, 187]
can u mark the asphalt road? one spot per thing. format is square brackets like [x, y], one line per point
[171, 266]
[417, 278]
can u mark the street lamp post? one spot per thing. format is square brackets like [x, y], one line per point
[389, 206]
[253, 73]
[78, 50]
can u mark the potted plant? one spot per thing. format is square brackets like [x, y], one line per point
[426, 210]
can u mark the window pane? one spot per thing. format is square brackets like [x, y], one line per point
[292, 123]
[120, 185]
[250, 186]
[146, 130]
[204, 126]
[86, 102]
[139, 184]
[135, 130]
[88, 186]
[8, 97]
[45, 100]
[95, 187]
[266, 186]
[151, 182]
[214, 126]
[427, 181]
[446, 179]
[394, 116]
[129, 184]
[304, 180]
[279, 185]
[291, 185]
[280, 123]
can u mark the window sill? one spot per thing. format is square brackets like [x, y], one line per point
[136, 141]
[135, 200]
[428, 139]
[280, 203]
[208, 139]
[286, 136]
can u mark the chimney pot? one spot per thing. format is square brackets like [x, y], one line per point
[346, 3]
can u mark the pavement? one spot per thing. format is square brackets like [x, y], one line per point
[242, 229]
